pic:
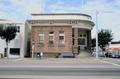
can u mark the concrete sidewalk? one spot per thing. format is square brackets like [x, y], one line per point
[54, 63]
[54, 60]
[84, 54]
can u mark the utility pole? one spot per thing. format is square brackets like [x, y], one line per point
[97, 34]
[97, 47]
[83, 4]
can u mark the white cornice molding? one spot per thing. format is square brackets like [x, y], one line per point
[74, 23]
[62, 22]
[61, 17]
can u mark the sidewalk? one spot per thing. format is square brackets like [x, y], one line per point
[83, 57]
[55, 63]
[54, 60]
[84, 54]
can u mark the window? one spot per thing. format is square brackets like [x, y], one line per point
[51, 39]
[73, 32]
[82, 38]
[84, 35]
[81, 35]
[5, 54]
[73, 41]
[15, 51]
[61, 38]
[81, 41]
[41, 36]
[18, 28]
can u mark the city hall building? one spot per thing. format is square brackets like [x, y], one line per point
[58, 33]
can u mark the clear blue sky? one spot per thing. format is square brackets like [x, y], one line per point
[108, 17]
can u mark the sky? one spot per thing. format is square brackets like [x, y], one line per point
[108, 11]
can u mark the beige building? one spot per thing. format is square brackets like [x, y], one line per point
[58, 33]
[17, 48]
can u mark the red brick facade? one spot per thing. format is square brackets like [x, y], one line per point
[46, 48]
[56, 49]
[75, 38]
[58, 33]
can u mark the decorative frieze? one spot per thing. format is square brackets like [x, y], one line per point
[58, 22]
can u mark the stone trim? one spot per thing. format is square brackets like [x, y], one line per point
[61, 22]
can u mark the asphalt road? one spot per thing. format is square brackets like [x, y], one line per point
[59, 70]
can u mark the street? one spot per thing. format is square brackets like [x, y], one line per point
[61, 71]
[93, 69]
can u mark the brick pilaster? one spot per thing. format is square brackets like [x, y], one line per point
[75, 47]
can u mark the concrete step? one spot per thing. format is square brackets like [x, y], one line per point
[84, 54]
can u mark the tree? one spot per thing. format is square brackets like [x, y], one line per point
[8, 34]
[1, 29]
[93, 42]
[104, 36]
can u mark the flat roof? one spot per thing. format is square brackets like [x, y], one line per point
[115, 42]
[3, 20]
[61, 14]
[7, 21]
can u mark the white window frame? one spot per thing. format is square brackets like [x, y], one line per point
[41, 34]
[63, 36]
[53, 37]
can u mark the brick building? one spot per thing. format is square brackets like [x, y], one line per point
[58, 33]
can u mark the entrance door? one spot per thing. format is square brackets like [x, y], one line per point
[82, 40]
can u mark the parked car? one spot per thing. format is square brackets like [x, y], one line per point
[113, 54]
[67, 55]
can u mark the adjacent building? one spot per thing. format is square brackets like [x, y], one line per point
[54, 34]
[115, 44]
[18, 46]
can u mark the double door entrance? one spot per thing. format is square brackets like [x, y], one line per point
[79, 39]
[82, 40]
